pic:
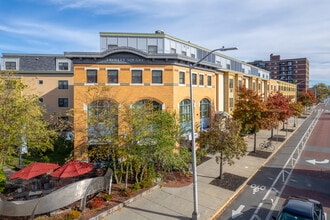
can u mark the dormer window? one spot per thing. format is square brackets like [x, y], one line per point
[63, 65]
[152, 49]
[10, 63]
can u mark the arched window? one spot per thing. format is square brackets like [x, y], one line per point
[185, 115]
[102, 121]
[156, 105]
[205, 108]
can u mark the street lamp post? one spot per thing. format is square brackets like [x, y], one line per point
[297, 83]
[195, 214]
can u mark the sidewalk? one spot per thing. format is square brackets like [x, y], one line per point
[177, 203]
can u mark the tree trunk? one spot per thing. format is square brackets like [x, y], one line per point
[255, 143]
[272, 133]
[220, 176]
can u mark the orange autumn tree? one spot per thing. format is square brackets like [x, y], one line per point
[307, 98]
[251, 111]
[278, 109]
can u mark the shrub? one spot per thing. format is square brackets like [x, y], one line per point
[2, 180]
[75, 214]
[97, 202]
[107, 197]
[148, 178]
[126, 192]
[136, 186]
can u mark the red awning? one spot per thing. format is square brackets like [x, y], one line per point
[72, 168]
[33, 170]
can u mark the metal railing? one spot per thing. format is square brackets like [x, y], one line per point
[58, 199]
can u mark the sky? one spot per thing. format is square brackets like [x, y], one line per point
[289, 28]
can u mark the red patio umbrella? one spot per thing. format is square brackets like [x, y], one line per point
[33, 170]
[72, 168]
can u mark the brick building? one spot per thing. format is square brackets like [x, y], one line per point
[294, 71]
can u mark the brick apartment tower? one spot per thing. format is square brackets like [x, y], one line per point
[288, 70]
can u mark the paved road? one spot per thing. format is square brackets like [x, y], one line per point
[263, 193]
[311, 176]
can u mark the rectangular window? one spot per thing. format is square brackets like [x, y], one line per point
[231, 102]
[91, 76]
[184, 53]
[182, 77]
[9, 65]
[63, 66]
[231, 83]
[201, 80]
[157, 76]
[173, 50]
[152, 49]
[194, 79]
[63, 102]
[112, 76]
[137, 76]
[63, 84]
[209, 81]
[112, 46]
[41, 82]
[64, 118]
[239, 83]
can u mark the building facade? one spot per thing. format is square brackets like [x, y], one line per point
[132, 68]
[288, 70]
[155, 67]
[49, 76]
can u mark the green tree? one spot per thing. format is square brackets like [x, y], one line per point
[21, 120]
[251, 111]
[297, 109]
[140, 139]
[150, 141]
[321, 91]
[223, 138]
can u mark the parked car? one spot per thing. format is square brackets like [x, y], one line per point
[300, 208]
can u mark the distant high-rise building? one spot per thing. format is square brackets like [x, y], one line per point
[289, 70]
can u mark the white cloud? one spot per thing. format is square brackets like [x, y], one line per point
[47, 34]
[292, 29]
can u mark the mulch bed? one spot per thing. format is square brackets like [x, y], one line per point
[260, 153]
[229, 181]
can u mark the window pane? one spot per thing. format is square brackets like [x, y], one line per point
[181, 77]
[194, 79]
[63, 102]
[10, 65]
[136, 76]
[63, 66]
[91, 76]
[112, 76]
[209, 82]
[185, 123]
[231, 83]
[152, 49]
[157, 76]
[201, 80]
[205, 108]
[63, 84]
